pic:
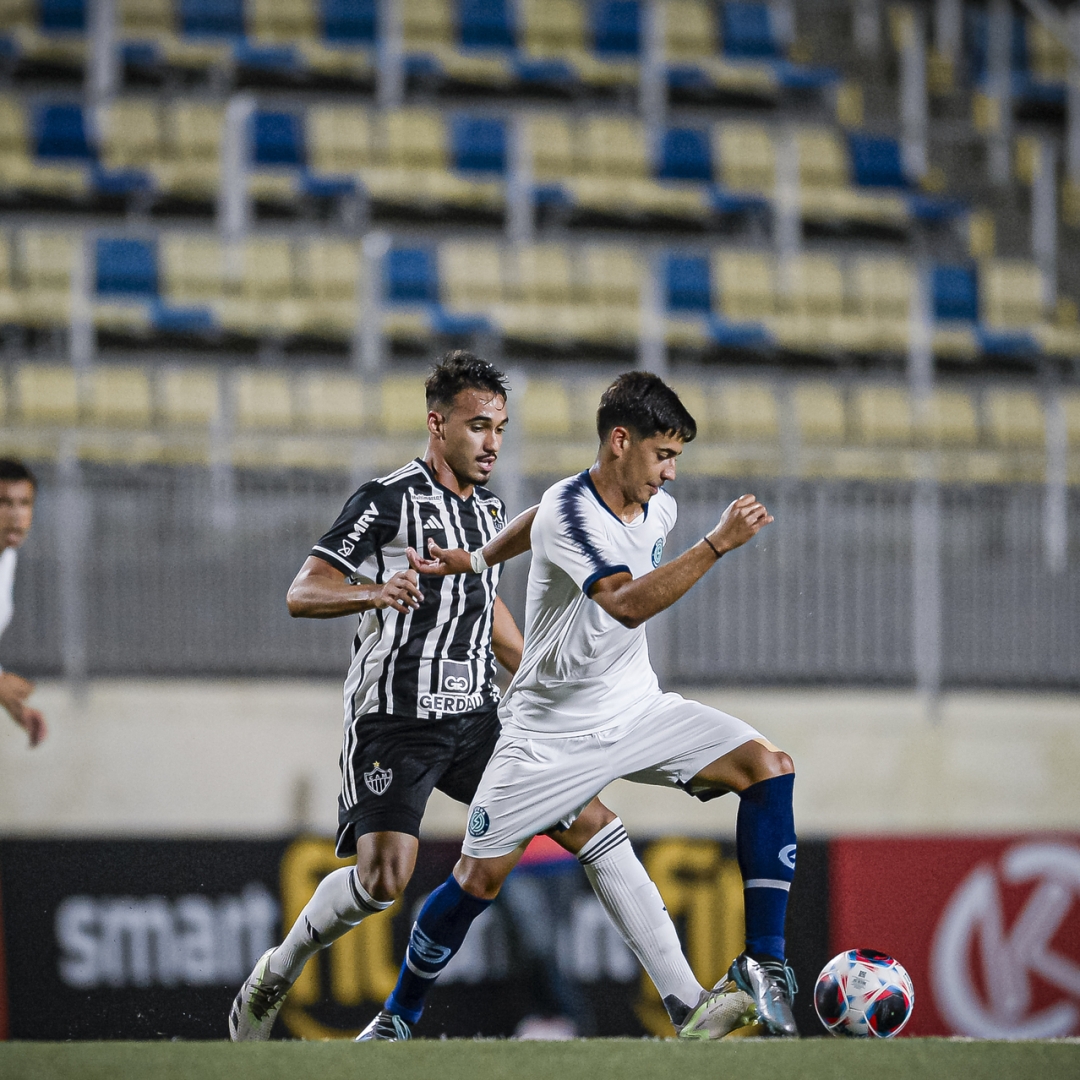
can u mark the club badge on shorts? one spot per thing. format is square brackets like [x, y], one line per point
[378, 780]
[479, 822]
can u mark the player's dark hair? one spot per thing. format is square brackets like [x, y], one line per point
[646, 405]
[462, 370]
[11, 471]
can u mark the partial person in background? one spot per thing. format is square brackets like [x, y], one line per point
[17, 490]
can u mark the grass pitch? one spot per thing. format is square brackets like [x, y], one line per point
[594, 1059]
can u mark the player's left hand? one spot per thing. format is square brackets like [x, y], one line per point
[14, 690]
[442, 561]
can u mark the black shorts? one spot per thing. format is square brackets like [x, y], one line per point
[391, 763]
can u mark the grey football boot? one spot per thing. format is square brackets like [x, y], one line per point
[385, 1027]
[771, 985]
[255, 1009]
[719, 1012]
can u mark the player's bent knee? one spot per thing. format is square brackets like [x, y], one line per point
[481, 878]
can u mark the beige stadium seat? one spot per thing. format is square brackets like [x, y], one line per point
[818, 410]
[949, 419]
[882, 287]
[261, 400]
[1048, 55]
[426, 24]
[267, 270]
[339, 138]
[330, 403]
[542, 273]
[612, 275]
[1012, 293]
[5, 260]
[13, 129]
[696, 400]
[552, 27]
[144, 18]
[745, 411]
[545, 412]
[404, 411]
[470, 274]
[189, 396]
[817, 285]
[1070, 403]
[119, 396]
[282, 20]
[47, 258]
[195, 129]
[1014, 418]
[689, 30]
[746, 282]
[881, 415]
[823, 160]
[5, 401]
[46, 394]
[415, 139]
[612, 146]
[329, 269]
[192, 267]
[549, 138]
[131, 134]
[747, 156]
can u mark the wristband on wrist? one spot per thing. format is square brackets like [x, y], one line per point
[716, 551]
[477, 561]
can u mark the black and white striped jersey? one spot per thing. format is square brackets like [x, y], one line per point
[436, 661]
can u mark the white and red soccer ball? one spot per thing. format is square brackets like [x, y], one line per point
[864, 994]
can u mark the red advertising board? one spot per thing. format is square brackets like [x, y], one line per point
[988, 927]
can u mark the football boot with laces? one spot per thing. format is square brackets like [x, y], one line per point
[256, 1006]
[771, 985]
[385, 1027]
[719, 1012]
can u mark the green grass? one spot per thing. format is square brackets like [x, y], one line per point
[596, 1059]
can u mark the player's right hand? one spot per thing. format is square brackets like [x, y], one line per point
[14, 690]
[401, 592]
[740, 522]
[442, 561]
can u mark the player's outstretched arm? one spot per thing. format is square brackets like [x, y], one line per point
[514, 540]
[506, 639]
[320, 591]
[14, 690]
[633, 600]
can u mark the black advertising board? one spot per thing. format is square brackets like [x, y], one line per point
[137, 939]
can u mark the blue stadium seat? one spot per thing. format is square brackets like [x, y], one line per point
[686, 283]
[278, 139]
[212, 18]
[411, 276]
[349, 22]
[616, 27]
[126, 268]
[686, 155]
[956, 293]
[485, 24]
[876, 161]
[60, 132]
[62, 15]
[977, 31]
[747, 31]
[478, 144]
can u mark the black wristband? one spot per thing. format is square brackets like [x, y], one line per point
[718, 554]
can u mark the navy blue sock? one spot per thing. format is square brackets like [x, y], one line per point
[765, 845]
[437, 934]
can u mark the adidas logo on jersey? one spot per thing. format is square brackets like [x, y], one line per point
[433, 523]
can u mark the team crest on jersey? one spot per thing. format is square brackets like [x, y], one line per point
[479, 822]
[378, 780]
[500, 524]
[657, 552]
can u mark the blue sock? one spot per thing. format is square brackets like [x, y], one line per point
[437, 934]
[765, 845]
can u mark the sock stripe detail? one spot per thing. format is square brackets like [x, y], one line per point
[363, 901]
[420, 971]
[593, 851]
[767, 883]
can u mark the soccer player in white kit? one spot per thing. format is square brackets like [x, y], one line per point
[585, 707]
[17, 490]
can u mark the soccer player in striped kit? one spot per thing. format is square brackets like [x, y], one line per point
[421, 707]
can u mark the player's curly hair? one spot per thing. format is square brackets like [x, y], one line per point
[462, 370]
[645, 404]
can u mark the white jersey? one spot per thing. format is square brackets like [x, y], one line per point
[583, 671]
[8, 559]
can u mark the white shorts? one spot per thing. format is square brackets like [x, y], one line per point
[531, 785]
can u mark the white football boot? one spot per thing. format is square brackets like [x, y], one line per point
[721, 1011]
[385, 1027]
[255, 1009]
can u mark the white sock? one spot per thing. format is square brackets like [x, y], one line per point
[339, 903]
[634, 905]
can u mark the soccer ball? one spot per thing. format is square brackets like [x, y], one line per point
[864, 994]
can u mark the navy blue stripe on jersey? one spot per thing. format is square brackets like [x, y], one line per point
[570, 509]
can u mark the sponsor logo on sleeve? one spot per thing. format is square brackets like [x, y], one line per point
[361, 526]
